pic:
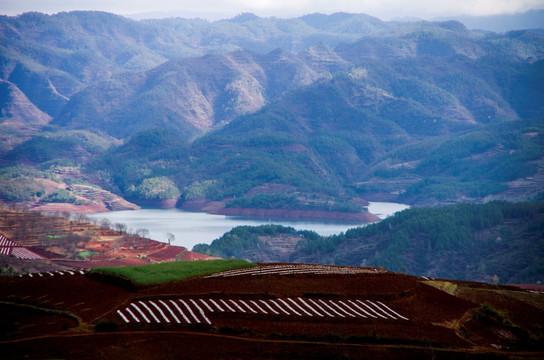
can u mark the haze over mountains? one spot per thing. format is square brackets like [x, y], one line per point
[315, 112]
[531, 19]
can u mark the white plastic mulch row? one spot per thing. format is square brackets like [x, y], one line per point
[25, 254]
[20, 252]
[196, 311]
[8, 247]
[288, 269]
[164, 312]
[4, 241]
[65, 272]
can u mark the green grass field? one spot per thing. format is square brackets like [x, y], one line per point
[87, 253]
[157, 273]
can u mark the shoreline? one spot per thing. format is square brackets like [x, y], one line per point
[218, 208]
[365, 217]
[192, 225]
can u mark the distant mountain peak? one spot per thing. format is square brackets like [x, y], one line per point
[325, 56]
[280, 54]
[454, 25]
[244, 17]
[324, 21]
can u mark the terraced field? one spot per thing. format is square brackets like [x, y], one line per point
[34, 242]
[268, 311]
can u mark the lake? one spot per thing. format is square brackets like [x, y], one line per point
[191, 228]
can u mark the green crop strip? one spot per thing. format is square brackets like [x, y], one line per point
[158, 273]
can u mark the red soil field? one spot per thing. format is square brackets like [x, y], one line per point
[86, 317]
[66, 243]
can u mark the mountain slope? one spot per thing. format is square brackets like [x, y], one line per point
[426, 113]
[39, 89]
[437, 129]
[62, 53]
[19, 118]
[191, 96]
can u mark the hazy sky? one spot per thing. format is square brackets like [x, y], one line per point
[220, 9]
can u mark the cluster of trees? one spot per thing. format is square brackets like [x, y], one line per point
[49, 147]
[444, 240]
[473, 165]
[19, 188]
[20, 184]
[234, 243]
[59, 196]
[145, 166]
[291, 202]
[487, 149]
[156, 188]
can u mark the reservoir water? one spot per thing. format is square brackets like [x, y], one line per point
[191, 228]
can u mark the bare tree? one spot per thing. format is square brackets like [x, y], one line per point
[105, 223]
[144, 233]
[122, 228]
[171, 238]
[81, 218]
[117, 243]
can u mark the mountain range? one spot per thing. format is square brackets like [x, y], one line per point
[317, 112]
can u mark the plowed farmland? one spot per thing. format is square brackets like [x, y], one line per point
[33, 242]
[269, 311]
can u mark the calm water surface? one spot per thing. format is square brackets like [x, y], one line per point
[191, 228]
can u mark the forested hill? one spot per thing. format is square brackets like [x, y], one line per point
[494, 242]
[320, 112]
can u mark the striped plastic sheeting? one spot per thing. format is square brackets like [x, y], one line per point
[25, 254]
[190, 311]
[289, 269]
[4, 241]
[8, 247]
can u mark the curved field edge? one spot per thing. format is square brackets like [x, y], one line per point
[165, 272]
